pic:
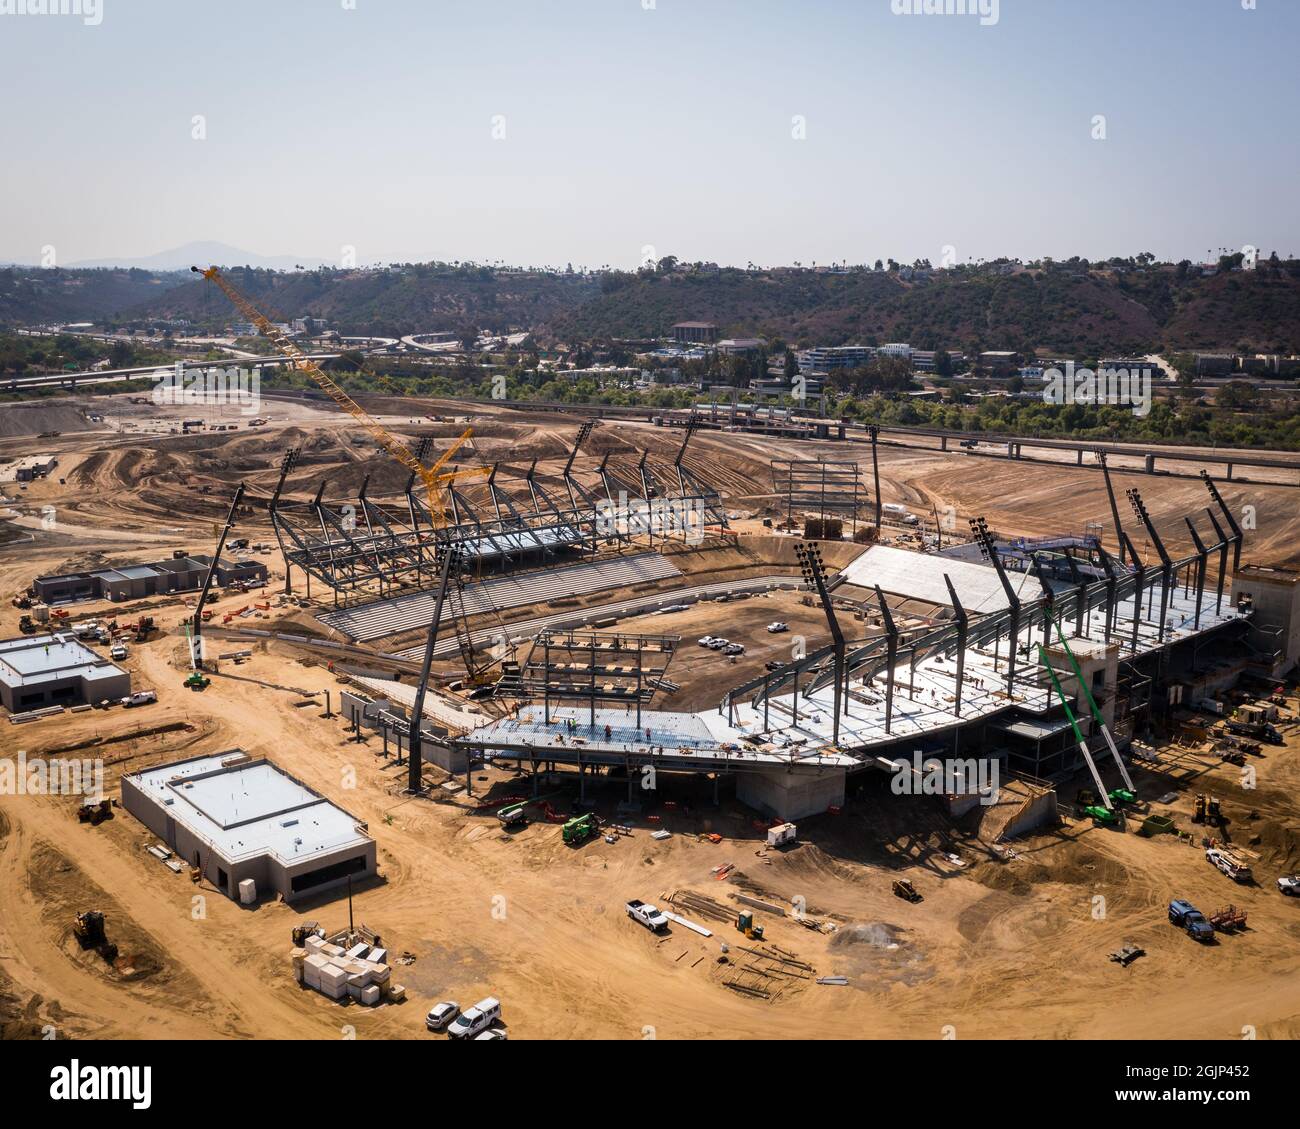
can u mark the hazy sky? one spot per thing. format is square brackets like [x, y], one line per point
[664, 124]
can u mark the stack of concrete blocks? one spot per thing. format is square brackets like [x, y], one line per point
[360, 973]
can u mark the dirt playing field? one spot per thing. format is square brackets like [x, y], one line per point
[1010, 944]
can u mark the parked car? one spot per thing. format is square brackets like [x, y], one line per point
[1289, 885]
[734, 649]
[705, 640]
[718, 643]
[441, 1015]
[778, 627]
[476, 1019]
[492, 1035]
[118, 651]
[1188, 918]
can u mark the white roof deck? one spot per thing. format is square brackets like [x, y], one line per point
[36, 659]
[901, 572]
[249, 808]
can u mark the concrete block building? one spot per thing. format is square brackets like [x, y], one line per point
[181, 573]
[37, 671]
[237, 817]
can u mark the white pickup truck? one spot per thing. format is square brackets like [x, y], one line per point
[1232, 866]
[647, 915]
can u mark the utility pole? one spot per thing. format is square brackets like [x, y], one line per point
[874, 432]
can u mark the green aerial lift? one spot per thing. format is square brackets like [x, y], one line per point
[580, 828]
[1100, 814]
[516, 814]
[1127, 793]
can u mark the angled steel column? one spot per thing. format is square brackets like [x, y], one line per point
[1201, 565]
[891, 635]
[963, 624]
[289, 462]
[1166, 565]
[1114, 509]
[1223, 558]
[1237, 536]
[1139, 580]
[981, 531]
[414, 764]
[1112, 586]
[810, 558]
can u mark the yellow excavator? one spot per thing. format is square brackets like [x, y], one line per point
[435, 480]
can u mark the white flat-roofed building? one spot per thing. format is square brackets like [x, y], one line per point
[237, 817]
[28, 468]
[37, 671]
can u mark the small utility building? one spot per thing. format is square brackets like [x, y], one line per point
[182, 573]
[237, 817]
[56, 670]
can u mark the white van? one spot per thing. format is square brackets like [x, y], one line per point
[476, 1019]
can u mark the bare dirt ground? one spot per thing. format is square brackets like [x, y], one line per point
[996, 948]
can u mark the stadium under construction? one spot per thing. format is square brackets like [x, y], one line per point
[1042, 657]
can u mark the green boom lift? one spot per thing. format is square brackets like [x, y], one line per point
[1099, 813]
[580, 829]
[1127, 794]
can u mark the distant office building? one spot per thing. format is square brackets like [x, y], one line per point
[779, 386]
[37, 671]
[740, 346]
[695, 333]
[896, 350]
[827, 358]
[999, 361]
[1215, 364]
[133, 582]
[1133, 364]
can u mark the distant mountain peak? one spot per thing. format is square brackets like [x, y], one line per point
[204, 253]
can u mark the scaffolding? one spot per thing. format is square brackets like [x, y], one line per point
[591, 667]
[821, 487]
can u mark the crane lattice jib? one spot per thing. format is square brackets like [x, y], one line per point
[434, 484]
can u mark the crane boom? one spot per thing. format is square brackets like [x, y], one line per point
[435, 484]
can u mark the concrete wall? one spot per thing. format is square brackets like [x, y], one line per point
[281, 877]
[1276, 599]
[70, 691]
[791, 795]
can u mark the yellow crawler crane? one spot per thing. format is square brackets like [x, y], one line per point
[435, 482]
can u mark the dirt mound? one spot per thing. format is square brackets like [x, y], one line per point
[877, 954]
[36, 416]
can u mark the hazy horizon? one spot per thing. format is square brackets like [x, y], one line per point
[605, 132]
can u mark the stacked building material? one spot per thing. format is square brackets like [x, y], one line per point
[360, 973]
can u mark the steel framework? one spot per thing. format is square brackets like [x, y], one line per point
[513, 517]
[1119, 584]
